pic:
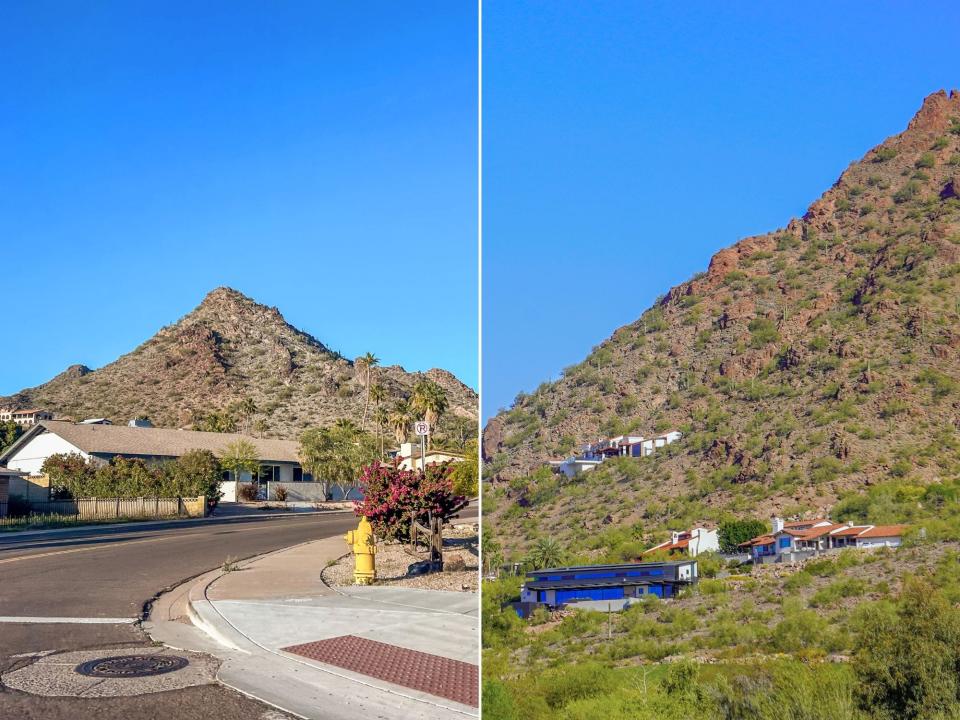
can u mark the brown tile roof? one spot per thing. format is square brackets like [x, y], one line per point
[884, 531]
[163, 442]
[759, 540]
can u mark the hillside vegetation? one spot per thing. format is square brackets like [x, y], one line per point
[814, 371]
[234, 357]
[805, 364]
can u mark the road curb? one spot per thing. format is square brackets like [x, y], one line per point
[146, 524]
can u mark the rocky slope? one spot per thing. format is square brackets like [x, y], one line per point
[820, 357]
[229, 349]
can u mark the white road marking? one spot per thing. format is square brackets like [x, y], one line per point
[67, 620]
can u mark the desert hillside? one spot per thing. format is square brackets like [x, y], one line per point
[814, 360]
[227, 351]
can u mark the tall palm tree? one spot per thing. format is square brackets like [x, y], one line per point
[429, 401]
[366, 363]
[400, 419]
[381, 418]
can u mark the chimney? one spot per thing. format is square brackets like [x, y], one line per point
[777, 524]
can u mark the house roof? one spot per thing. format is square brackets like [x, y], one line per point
[852, 530]
[152, 442]
[759, 540]
[819, 531]
[5, 471]
[884, 531]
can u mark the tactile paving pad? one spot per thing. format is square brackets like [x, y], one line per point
[440, 676]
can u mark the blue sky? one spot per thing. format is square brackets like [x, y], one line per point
[317, 156]
[626, 142]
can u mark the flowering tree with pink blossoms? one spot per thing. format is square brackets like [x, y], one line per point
[391, 497]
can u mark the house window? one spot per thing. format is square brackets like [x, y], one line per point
[300, 476]
[784, 543]
[269, 473]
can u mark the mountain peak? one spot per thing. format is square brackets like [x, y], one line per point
[936, 110]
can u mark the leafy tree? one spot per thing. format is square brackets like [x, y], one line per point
[10, 432]
[491, 551]
[217, 421]
[240, 456]
[196, 472]
[466, 474]
[908, 665]
[391, 496]
[336, 454]
[734, 532]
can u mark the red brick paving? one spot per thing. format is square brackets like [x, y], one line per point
[440, 676]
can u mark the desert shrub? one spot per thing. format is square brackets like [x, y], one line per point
[883, 154]
[908, 664]
[762, 332]
[927, 160]
[248, 492]
[281, 494]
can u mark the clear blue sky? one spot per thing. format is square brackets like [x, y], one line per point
[626, 142]
[317, 156]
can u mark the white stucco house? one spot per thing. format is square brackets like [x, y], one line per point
[594, 454]
[279, 460]
[795, 540]
[408, 456]
[24, 418]
[690, 542]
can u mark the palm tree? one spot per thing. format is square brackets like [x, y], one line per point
[346, 424]
[546, 552]
[366, 362]
[400, 420]
[429, 401]
[381, 418]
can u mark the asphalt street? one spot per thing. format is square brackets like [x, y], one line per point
[83, 589]
[93, 574]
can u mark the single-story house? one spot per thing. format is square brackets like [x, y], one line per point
[279, 459]
[690, 542]
[794, 540]
[408, 456]
[600, 587]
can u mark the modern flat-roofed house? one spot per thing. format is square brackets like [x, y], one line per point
[279, 460]
[24, 418]
[594, 454]
[602, 587]
[797, 540]
[690, 542]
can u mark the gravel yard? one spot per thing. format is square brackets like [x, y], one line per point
[460, 557]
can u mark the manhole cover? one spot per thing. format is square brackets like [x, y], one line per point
[132, 666]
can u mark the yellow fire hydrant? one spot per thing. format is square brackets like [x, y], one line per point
[365, 570]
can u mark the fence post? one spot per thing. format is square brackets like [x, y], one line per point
[117, 513]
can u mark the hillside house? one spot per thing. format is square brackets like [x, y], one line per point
[789, 541]
[621, 446]
[603, 587]
[279, 459]
[24, 418]
[690, 542]
[408, 456]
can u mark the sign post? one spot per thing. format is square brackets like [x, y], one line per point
[422, 428]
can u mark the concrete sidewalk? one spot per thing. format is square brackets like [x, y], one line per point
[287, 639]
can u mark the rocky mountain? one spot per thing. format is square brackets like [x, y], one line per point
[804, 363]
[227, 350]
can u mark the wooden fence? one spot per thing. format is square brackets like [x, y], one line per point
[116, 508]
